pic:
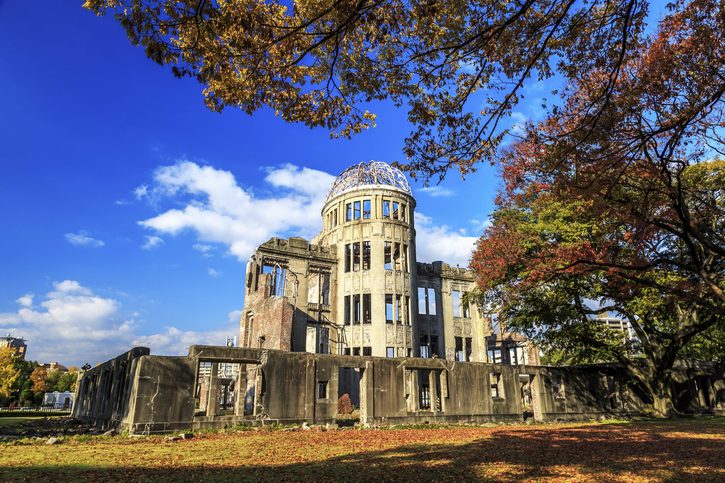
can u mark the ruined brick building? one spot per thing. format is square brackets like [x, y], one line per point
[358, 289]
[352, 313]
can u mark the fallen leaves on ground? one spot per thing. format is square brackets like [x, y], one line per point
[642, 451]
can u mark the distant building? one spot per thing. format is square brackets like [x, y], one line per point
[58, 400]
[16, 343]
[616, 324]
[55, 366]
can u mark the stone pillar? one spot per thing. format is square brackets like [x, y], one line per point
[432, 379]
[211, 401]
[240, 387]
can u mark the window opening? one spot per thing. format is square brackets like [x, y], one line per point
[396, 257]
[386, 209]
[356, 257]
[456, 303]
[367, 312]
[278, 278]
[398, 309]
[424, 347]
[325, 288]
[356, 309]
[388, 308]
[495, 378]
[388, 256]
[366, 255]
[431, 301]
[323, 340]
[367, 212]
[322, 390]
[424, 388]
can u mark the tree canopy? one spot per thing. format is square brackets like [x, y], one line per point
[621, 209]
[9, 372]
[458, 67]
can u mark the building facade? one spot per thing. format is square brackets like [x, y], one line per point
[16, 343]
[357, 288]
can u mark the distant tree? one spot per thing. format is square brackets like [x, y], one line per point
[458, 66]
[52, 379]
[623, 215]
[39, 379]
[9, 372]
[67, 381]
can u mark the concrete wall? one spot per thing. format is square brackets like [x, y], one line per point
[287, 387]
[103, 392]
[137, 392]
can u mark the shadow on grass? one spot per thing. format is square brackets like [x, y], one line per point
[659, 451]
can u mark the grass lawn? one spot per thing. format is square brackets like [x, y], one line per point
[678, 450]
[13, 420]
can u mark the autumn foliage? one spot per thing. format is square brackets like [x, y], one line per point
[457, 67]
[9, 373]
[344, 405]
[614, 203]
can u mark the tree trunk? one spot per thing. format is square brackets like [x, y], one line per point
[663, 406]
[655, 381]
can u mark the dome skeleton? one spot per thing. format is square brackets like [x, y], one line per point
[371, 173]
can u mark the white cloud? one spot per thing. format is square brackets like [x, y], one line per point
[205, 250]
[519, 122]
[234, 316]
[152, 242]
[218, 210]
[73, 325]
[441, 242]
[213, 273]
[437, 191]
[26, 300]
[174, 341]
[480, 225]
[82, 238]
[141, 192]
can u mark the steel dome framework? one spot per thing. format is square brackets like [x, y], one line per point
[368, 173]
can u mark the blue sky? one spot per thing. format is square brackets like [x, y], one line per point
[88, 123]
[129, 208]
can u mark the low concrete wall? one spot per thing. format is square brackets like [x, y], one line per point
[103, 392]
[159, 395]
